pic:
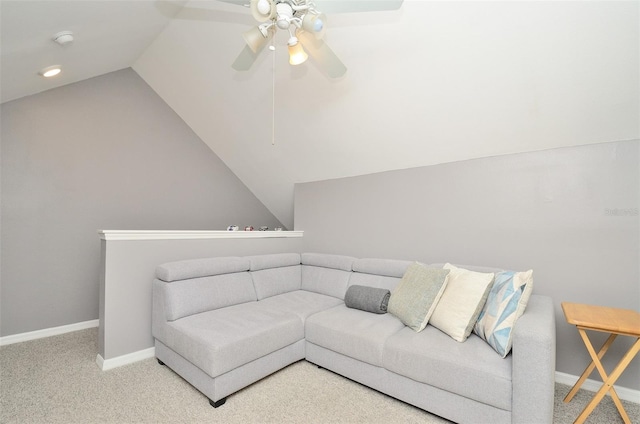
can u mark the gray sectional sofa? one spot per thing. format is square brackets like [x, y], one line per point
[225, 323]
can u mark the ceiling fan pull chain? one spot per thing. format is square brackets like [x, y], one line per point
[273, 97]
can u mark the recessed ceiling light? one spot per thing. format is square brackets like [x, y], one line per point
[50, 71]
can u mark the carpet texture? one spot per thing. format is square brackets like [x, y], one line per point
[56, 380]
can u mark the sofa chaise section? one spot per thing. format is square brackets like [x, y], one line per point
[209, 327]
[224, 323]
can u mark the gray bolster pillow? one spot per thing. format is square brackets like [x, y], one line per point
[369, 299]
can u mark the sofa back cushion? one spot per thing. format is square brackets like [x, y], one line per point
[378, 273]
[326, 274]
[275, 274]
[201, 285]
[194, 268]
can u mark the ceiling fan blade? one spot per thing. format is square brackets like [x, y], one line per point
[237, 2]
[169, 8]
[178, 10]
[247, 56]
[245, 59]
[356, 6]
[321, 53]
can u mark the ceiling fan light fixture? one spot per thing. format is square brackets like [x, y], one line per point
[300, 19]
[297, 55]
[315, 24]
[256, 38]
[263, 10]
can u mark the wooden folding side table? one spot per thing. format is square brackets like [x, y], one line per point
[607, 320]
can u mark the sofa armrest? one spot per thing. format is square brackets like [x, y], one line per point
[158, 314]
[534, 362]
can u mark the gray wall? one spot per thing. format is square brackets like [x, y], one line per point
[570, 214]
[104, 153]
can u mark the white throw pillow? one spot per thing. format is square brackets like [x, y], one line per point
[462, 301]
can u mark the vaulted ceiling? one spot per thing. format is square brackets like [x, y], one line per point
[431, 82]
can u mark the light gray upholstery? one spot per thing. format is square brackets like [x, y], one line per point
[471, 369]
[276, 260]
[194, 268]
[300, 302]
[326, 274]
[234, 380]
[273, 281]
[187, 297]
[355, 369]
[437, 401]
[372, 280]
[534, 362]
[352, 332]
[344, 263]
[379, 273]
[329, 281]
[386, 267]
[224, 323]
[221, 340]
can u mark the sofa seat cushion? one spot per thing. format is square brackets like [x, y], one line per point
[358, 334]
[471, 369]
[219, 341]
[300, 302]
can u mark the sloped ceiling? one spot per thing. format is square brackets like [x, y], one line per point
[429, 83]
[109, 35]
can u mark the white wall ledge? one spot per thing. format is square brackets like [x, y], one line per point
[192, 234]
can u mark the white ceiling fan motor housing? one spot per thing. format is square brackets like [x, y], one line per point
[285, 14]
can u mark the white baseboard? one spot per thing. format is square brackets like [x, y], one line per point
[48, 332]
[118, 361]
[624, 393]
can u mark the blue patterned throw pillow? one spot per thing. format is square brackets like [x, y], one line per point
[506, 303]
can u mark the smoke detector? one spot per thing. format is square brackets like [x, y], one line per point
[63, 37]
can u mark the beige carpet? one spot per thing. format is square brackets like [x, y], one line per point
[56, 380]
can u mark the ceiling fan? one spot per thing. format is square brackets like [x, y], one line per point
[306, 26]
